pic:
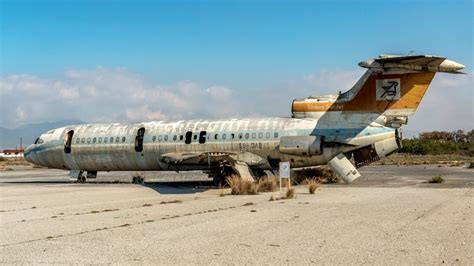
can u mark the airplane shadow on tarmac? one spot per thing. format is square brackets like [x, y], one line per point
[179, 187]
[188, 187]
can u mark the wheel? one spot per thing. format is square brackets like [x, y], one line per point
[134, 180]
[83, 179]
[141, 180]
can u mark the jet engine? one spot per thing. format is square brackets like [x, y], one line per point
[374, 152]
[301, 145]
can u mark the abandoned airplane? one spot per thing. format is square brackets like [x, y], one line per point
[360, 124]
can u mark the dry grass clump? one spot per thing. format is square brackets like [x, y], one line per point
[267, 184]
[290, 193]
[171, 201]
[312, 185]
[321, 174]
[241, 186]
[437, 179]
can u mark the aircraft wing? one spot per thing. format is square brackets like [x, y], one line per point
[186, 158]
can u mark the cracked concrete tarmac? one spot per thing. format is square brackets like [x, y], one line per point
[390, 216]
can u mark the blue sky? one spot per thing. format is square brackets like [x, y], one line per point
[242, 45]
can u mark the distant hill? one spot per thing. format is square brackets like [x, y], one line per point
[10, 138]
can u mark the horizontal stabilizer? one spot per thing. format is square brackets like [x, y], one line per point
[417, 63]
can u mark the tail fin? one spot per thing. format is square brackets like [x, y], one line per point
[392, 86]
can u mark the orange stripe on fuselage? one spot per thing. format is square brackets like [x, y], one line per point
[413, 88]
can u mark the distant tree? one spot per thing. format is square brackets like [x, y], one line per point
[441, 142]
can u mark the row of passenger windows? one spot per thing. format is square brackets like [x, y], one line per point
[181, 137]
[224, 136]
[101, 139]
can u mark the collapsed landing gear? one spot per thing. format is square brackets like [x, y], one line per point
[138, 180]
[220, 181]
[81, 179]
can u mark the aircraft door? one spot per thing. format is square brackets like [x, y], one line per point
[188, 138]
[68, 141]
[139, 139]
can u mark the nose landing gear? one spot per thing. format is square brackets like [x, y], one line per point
[79, 177]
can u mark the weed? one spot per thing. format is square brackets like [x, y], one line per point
[171, 201]
[436, 179]
[290, 193]
[110, 210]
[322, 174]
[147, 205]
[267, 184]
[312, 185]
[248, 204]
[241, 186]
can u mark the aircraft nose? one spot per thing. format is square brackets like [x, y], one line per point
[27, 154]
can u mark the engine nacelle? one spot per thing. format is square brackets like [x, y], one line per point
[374, 152]
[301, 145]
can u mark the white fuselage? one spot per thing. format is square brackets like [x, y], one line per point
[112, 147]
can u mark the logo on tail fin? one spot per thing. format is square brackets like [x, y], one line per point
[387, 89]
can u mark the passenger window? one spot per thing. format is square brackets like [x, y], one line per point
[160, 137]
[153, 139]
[100, 140]
[117, 139]
[111, 139]
[254, 135]
[123, 139]
[232, 136]
[106, 139]
[175, 138]
[180, 137]
[94, 140]
[216, 136]
[241, 135]
[275, 135]
[165, 137]
[267, 135]
[260, 135]
[83, 140]
[247, 135]
[88, 140]
[224, 136]
[195, 137]
[78, 140]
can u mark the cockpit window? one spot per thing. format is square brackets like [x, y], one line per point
[39, 141]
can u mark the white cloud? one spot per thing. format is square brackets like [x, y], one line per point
[108, 95]
[447, 105]
[118, 95]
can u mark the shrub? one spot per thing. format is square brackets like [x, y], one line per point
[241, 186]
[267, 184]
[321, 174]
[290, 193]
[312, 185]
[437, 179]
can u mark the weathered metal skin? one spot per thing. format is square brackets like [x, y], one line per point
[360, 122]
[258, 136]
